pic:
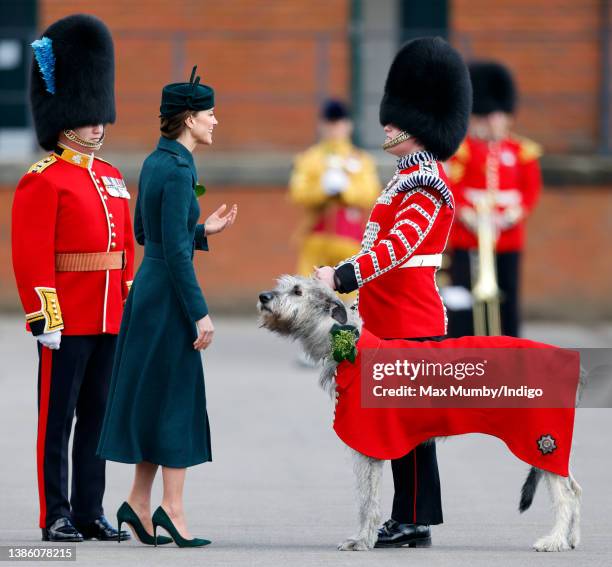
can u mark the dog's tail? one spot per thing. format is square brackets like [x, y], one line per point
[529, 488]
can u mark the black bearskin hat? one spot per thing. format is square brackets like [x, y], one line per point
[428, 95]
[73, 77]
[493, 86]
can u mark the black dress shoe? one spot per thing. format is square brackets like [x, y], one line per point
[394, 534]
[102, 530]
[61, 530]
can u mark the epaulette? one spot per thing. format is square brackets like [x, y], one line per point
[463, 152]
[425, 174]
[456, 170]
[43, 164]
[528, 149]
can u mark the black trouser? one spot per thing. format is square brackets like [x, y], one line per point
[461, 322]
[417, 498]
[73, 379]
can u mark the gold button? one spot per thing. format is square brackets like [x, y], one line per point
[114, 235]
[105, 198]
[112, 225]
[113, 245]
[110, 215]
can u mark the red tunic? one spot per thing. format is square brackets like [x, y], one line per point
[367, 429]
[71, 203]
[412, 216]
[513, 169]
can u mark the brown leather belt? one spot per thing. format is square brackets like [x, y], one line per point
[90, 261]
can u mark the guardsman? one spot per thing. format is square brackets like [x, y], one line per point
[424, 111]
[336, 183]
[73, 250]
[492, 160]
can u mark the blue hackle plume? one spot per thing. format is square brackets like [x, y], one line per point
[43, 51]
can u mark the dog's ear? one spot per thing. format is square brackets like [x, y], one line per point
[338, 313]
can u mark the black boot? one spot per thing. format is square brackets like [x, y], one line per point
[394, 534]
[100, 529]
[61, 530]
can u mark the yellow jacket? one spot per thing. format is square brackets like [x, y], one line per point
[305, 184]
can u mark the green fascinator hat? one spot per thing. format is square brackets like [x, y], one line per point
[177, 97]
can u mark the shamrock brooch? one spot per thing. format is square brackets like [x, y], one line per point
[199, 189]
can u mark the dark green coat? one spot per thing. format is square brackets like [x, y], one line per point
[156, 407]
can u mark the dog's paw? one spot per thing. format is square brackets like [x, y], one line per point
[354, 544]
[551, 543]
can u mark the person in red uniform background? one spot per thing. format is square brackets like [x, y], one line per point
[424, 112]
[72, 248]
[492, 159]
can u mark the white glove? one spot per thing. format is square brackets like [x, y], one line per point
[513, 215]
[50, 340]
[334, 181]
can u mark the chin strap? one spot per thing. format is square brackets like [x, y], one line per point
[401, 137]
[74, 137]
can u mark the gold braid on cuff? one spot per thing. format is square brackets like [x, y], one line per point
[50, 310]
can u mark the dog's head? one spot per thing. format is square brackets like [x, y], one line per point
[300, 307]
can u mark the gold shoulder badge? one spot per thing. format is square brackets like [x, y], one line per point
[528, 149]
[43, 164]
[463, 152]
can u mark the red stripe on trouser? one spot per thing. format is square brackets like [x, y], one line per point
[43, 412]
[414, 521]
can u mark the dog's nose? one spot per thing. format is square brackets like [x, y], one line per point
[265, 297]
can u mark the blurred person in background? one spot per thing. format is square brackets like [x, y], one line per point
[493, 161]
[424, 113]
[72, 255]
[336, 184]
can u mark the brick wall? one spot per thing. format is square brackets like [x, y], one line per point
[567, 272]
[269, 62]
[553, 48]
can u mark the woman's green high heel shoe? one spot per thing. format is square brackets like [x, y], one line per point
[126, 515]
[160, 518]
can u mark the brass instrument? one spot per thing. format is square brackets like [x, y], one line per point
[485, 291]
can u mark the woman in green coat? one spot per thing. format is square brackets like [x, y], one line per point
[156, 411]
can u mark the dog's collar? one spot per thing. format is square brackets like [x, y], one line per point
[344, 342]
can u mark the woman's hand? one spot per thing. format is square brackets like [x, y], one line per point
[216, 223]
[206, 330]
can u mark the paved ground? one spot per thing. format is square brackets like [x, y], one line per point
[279, 491]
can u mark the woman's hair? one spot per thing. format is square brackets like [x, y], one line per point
[171, 127]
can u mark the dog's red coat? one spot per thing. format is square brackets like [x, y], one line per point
[390, 433]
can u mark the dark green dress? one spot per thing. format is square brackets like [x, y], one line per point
[156, 408]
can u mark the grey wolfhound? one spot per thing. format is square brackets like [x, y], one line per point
[305, 309]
